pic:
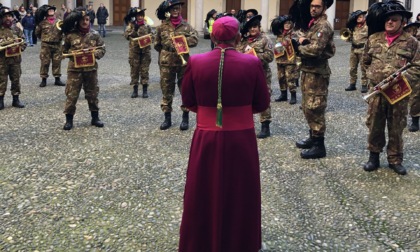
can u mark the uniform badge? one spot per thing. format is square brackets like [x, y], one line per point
[319, 34]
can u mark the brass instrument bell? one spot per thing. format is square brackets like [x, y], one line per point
[345, 34]
[59, 24]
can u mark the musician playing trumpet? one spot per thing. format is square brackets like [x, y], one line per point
[170, 61]
[358, 37]
[138, 32]
[87, 46]
[11, 39]
[51, 49]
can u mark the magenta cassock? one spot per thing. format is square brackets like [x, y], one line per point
[222, 199]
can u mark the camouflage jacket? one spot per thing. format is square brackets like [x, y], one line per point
[130, 32]
[76, 41]
[382, 60]
[263, 48]
[315, 55]
[48, 32]
[163, 43]
[359, 38]
[286, 41]
[9, 36]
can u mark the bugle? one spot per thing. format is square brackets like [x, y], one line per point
[59, 24]
[11, 43]
[81, 51]
[345, 34]
[137, 38]
[384, 84]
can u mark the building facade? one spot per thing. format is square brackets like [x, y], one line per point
[195, 10]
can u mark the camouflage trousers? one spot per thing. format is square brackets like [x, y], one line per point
[168, 75]
[139, 67]
[314, 101]
[50, 52]
[287, 75]
[75, 82]
[355, 59]
[414, 102]
[265, 116]
[12, 71]
[381, 114]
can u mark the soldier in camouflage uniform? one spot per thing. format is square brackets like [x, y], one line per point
[170, 63]
[315, 47]
[359, 29]
[263, 47]
[51, 48]
[287, 70]
[414, 102]
[10, 66]
[385, 53]
[139, 58]
[78, 37]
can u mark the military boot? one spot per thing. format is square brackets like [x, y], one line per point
[414, 124]
[185, 121]
[167, 123]
[297, 83]
[351, 87]
[373, 162]
[16, 103]
[69, 122]
[282, 97]
[306, 143]
[1, 102]
[145, 95]
[316, 151]
[364, 89]
[135, 93]
[265, 130]
[398, 168]
[292, 98]
[95, 119]
[58, 82]
[43, 82]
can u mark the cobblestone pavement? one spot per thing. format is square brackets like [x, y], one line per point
[120, 188]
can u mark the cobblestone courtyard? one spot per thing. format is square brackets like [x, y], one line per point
[120, 188]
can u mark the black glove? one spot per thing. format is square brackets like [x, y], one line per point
[136, 27]
[296, 45]
[306, 42]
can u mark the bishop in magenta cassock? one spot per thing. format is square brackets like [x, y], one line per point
[222, 199]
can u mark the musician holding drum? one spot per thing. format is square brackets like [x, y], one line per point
[256, 43]
[12, 42]
[140, 35]
[84, 46]
[172, 60]
[387, 50]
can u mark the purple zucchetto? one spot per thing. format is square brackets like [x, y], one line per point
[225, 28]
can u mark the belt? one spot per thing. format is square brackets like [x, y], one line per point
[314, 62]
[357, 46]
[234, 118]
[169, 49]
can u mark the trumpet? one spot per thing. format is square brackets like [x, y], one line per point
[59, 24]
[137, 38]
[345, 34]
[81, 51]
[184, 62]
[10, 43]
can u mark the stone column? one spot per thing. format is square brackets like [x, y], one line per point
[69, 4]
[7, 3]
[135, 3]
[199, 20]
[42, 2]
[331, 14]
[264, 13]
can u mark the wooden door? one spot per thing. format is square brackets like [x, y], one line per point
[342, 13]
[79, 3]
[284, 7]
[120, 9]
[233, 5]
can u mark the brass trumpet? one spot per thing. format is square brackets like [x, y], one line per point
[10, 43]
[59, 24]
[345, 34]
[81, 51]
